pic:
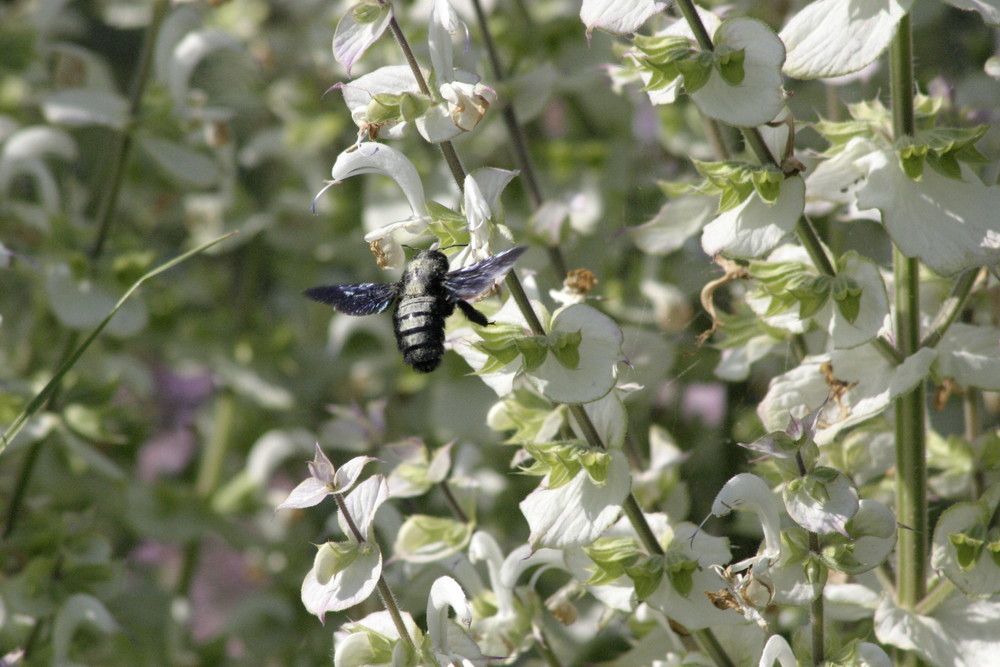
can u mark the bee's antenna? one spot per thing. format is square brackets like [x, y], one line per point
[454, 245]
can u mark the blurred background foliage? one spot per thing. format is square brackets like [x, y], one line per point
[146, 487]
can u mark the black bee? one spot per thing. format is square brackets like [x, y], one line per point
[427, 294]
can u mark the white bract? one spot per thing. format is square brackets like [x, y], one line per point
[358, 29]
[949, 224]
[600, 352]
[617, 17]
[873, 384]
[755, 226]
[959, 632]
[759, 97]
[345, 573]
[677, 220]
[966, 547]
[834, 37]
[325, 480]
[577, 512]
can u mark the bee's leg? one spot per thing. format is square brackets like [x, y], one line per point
[473, 314]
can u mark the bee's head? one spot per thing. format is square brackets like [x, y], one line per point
[432, 259]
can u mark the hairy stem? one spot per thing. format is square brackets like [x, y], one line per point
[911, 444]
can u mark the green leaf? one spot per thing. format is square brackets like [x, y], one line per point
[696, 72]
[994, 550]
[839, 133]
[847, 294]
[368, 11]
[681, 571]
[611, 556]
[646, 574]
[663, 48]
[382, 108]
[566, 348]
[498, 353]
[534, 349]
[414, 105]
[911, 157]
[968, 546]
[730, 64]
[767, 182]
[334, 557]
[423, 538]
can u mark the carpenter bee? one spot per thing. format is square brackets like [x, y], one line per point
[426, 294]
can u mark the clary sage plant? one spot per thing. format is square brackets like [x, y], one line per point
[845, 257]
[845, 424]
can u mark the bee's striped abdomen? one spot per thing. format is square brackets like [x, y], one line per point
[419, 325]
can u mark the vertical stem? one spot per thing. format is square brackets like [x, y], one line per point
[388, 599]
[911, 445]
[214, 453]
[517, 138]
[122, 142]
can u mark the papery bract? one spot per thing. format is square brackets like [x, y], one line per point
[949, 224]
[617, 16]
[966, 548]
[822, 501]
[958, 632]
[577, 512]
[343, 574]
[759, 97]
[599, 354]
[676, 221]
[873, 383]
[358, 29]
[970, 355]
[755, 227]
[835, 37]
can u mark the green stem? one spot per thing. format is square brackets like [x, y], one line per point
[517, 138]
[452, 502]
[817, 614]
[388, 599]
[214, 454]
[911, 444]
[952, 307]
[121, 145]
[710, 646]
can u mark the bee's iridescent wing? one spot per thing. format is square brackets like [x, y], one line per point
[361, 299]
[473, 280]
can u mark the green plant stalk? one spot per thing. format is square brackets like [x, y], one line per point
[214, 453]
[122, 141]
[951, 308]
[39, 400]
[388, 599]
[517, 138]
[911, 443]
